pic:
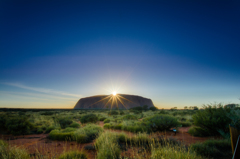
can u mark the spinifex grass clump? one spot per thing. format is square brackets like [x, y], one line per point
[89, 118]
[107, 146]
[9, 152]
[73, 155]
[60, 135]
[75, 125]
[87, 133]
[64, 122]
[160, 122]
[133, 126]
[129, 117]
[106, 121]
[172, 152]
[214, 148]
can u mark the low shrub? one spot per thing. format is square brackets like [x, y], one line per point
[9, 152]
[59, 135]
[162, 111]
[89, 118]
[107, 121]
[173, 152]
[39, 131]
[73, 155]
[133, 126]
[102, 118]
[68, 129]
[141, 139]
[212, 119]
[107, 146]
[198, 131]
[64, 122]
[107, 126]
[3, 120]
[118, 126]
[160, 122]
[153, 108]
[214, 148]
[113, 126]
[121, 112]
[19, 126]
[87, 133]
[47, 113]
[185, 124]
[75, 125]
[129, 117]
[50, 128]
[113, 112]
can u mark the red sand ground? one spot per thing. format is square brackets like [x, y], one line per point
[39, 143]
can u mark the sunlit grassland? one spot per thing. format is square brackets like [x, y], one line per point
[67, 126]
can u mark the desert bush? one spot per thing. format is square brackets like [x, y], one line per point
[87, 133]
[198, 131]
[102, 118]
[133, 126]
[107, 126]
[68, 129]
[64, 122]
[129, 117]
[75, 125]
[140, 139]
[59, 135]
[162, 111]
[234, 115]
[118, 126]
[160, 122]
[173, 152]
[107, 121]
[185, 124]
[153, 108]
[50, 128]
[47, 113]
[39, 130]
[121, 112]
[9, 152]
[73, 155]
[113, 112]
[19, 126]
[113, 126]
[214, 148]
[3, 120]
[212, 119]
[89, 118]
[107, 146]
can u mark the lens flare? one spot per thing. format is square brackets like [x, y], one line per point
[114, 93]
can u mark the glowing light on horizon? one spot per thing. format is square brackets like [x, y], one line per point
[113, 100]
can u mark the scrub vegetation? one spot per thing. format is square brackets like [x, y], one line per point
[98, 127]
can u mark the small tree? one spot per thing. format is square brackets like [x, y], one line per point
[145, 107]
[153, 108]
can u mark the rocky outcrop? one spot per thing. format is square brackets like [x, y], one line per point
[122, 101]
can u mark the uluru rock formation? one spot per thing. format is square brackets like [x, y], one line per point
[123, 101]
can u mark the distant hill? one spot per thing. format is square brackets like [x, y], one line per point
[124, 101]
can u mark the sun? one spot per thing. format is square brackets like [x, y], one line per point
[114, 93]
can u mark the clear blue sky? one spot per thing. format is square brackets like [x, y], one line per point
[177, 53]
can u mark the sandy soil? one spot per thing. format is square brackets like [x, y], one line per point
[39, 143]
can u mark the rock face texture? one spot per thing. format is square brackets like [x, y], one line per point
[122, 101]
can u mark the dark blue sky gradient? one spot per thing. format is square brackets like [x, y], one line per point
[176, 53]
